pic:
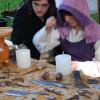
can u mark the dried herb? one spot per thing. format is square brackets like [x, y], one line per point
[53, 91]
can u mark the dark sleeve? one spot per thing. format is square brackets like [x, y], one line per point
[19, 26]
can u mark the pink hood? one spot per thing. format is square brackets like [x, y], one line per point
[80, 10]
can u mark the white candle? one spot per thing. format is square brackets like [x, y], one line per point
[63, 64]
[23, 58]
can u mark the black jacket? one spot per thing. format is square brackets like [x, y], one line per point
[25, 26]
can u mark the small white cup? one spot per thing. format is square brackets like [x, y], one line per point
[23, 58]
[63, 64]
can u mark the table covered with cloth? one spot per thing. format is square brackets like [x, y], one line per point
[14, 78]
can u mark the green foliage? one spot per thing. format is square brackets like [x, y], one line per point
[95, 16]
[9, 5]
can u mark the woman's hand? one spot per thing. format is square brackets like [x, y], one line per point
[50, 23]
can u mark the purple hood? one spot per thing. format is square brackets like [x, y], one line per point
[80, 10]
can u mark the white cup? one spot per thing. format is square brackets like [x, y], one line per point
[23, 58]
[63, 64]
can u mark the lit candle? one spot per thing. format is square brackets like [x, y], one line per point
[63, 64]
[23, 58]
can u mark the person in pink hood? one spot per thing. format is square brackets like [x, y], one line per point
[78, 34]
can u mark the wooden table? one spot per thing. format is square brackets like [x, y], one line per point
[9, 72]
